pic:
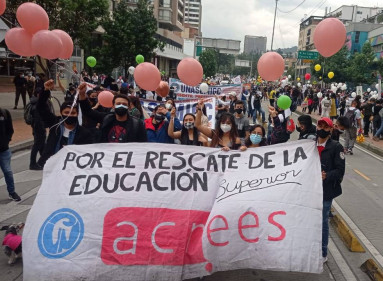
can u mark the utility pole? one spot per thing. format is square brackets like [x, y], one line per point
[275, 16]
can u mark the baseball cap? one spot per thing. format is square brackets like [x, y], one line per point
[326, 121]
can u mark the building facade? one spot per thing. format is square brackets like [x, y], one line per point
[354, 13]
[255, 44]
[193, 17]
[306, 33]
[357, 35]
[376, 39]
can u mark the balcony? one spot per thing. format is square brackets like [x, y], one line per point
[165, 15]
[165, 4]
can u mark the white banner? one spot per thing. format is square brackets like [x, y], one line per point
[170, 212]
[184, 91]
[184, 107]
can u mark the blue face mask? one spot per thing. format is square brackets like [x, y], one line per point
[255, 139]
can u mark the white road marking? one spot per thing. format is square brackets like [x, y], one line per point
[25, 176]
[370, 247]
[341, 262]
[21, 155]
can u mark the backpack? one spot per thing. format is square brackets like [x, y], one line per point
[28, 115]
[327, 103]
[290, 126]
[350, 115]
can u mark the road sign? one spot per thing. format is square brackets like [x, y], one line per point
[308, 55]
[307, 61]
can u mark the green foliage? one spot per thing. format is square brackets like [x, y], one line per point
[225, 63]
[128, 32]
[209, 62]
[363, 68]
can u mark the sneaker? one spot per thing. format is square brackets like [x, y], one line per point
[14, 196]
[350, 151]
[15, 107]
[12, 258]
[324, 259]
[35, 167]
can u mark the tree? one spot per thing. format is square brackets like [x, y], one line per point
[225, 63]
[129, 32]
[363, 66]
[79, 18]
[209, 62]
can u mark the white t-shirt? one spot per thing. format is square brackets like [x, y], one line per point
[66, 132]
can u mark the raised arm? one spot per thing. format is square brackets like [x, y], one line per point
[86, 108]
[198, 122]
[171, 133]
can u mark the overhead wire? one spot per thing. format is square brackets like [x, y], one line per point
[287, 12]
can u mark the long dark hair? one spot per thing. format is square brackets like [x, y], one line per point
[137, 104]
[185, 132]
[263, 142]
[218, 133]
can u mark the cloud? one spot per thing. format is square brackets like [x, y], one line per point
[231, 19]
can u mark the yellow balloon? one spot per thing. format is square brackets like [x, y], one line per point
[317, 67]
[331, 75]
[298, 79]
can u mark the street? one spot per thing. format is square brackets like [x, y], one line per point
[360, 205]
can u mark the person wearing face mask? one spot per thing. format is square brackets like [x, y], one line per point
[306, 129]
[340, 126]
[21, 89]
[257, 137]
[157, 126]
[170, 104]
[135, 108]
[64, 129]
[241, 122]
[332, 160]
[189, 135]
[225, 134]
[117, 126]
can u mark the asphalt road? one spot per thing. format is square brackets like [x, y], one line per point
[361, 203]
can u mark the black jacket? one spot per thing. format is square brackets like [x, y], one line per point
[6, 129]
[311, 133]
[135, 127]
[333, 163]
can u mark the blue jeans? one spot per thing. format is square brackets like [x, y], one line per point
[325, 226]
[380, 130]
[261, 111]
[5, 165]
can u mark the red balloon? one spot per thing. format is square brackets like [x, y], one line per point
[307, 76]
[271, 66]
[32, 17]
[190, 71]
[67, 41]
[147, 76]
[3, 6]
[329, 37]
[47, 44]
[105, 98]
[163, 89]
[19, 41]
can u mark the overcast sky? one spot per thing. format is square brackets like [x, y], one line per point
[233, 19]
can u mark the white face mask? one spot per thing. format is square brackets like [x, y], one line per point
[225, 128]
[168, 106]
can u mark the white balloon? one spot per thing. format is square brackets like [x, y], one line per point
[299, 85]
[204, 88]
[289, 76]
[131, 70]
[319, 95]
[368, 90]
[344, 87]
[353, 95]
[377, 86]
[308, 82]
[375, 96]
[340, 85]
[332, 85]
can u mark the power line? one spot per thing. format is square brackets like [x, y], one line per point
[292, 9]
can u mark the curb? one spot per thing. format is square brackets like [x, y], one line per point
[367, 146]
[372, 270]
[348, 237]
[21, 146]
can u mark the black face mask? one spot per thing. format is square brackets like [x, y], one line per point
[159, 117]
[298, 129]
[93, 100]
[323, 134]
[71, 120]
[121, 110]
[239, 110]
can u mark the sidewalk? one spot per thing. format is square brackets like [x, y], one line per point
[369, 143]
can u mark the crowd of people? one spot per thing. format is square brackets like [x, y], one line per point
[241, 124]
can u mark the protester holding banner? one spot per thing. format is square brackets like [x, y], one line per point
[257, 137]
[333, 168]
[116, 127]
[225, 134]
[189, 135]
[305, 128]
[157, 126]
[64, 129]
[279, 119]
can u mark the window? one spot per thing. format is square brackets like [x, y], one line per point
[309, 32]
[359, 12]
[165, 3]
[357, 34]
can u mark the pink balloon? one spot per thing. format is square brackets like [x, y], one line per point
[147, 76]
[67, 41]
[329, 37]
[47, 44]
[32, 17]
[271, 66]
[19, 41]
[3, 6]
[105, 98]
[190, 71]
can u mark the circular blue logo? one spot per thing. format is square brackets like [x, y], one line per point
[60, 234]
